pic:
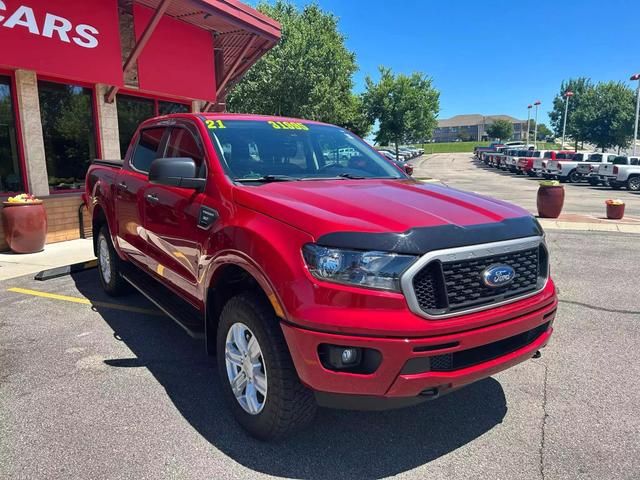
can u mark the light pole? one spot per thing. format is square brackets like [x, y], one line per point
[528, 119]
[535, 127]
[568, 94]
[635, 132]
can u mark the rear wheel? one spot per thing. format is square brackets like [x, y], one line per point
[258, 377]
[593, 182]
[634, 184]
[574, 176]
[109, 265]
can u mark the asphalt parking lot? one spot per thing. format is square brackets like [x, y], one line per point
[460, 170]
[92, 387]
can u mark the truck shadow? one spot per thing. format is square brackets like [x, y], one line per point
[339, 444]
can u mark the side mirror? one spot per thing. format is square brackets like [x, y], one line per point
[176, 172]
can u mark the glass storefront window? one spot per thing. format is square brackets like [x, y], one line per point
[131, 112]
[10, 175]
[69, 133]
[165, 108]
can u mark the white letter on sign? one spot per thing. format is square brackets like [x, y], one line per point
[29, 20]
[87, 40]
[2, 7]
[53, 23]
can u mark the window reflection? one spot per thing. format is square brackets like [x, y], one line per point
[69, 133]
[10, 175]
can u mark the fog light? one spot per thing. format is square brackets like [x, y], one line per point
[349, 356]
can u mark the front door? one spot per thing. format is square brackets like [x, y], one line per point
[172, 214]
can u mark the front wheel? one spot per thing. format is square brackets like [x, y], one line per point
[575, 177]
[634, 184]
[258, 377]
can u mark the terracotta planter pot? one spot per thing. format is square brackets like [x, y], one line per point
[615, 212]
[25, 226]
[550, 201]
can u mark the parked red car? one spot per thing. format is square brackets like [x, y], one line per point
[317, 271]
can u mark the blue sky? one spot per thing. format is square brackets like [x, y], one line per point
[493, 57]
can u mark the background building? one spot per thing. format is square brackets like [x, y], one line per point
[78, 76]
[473, 128]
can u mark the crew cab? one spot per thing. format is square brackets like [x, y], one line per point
[589, 168]
[622, 172]
[526, 165]
[314, 278]
[565, 166]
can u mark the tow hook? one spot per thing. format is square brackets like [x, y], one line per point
[538, 354]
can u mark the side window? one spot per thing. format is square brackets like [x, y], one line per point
[634, 161]
[182, 143]
[147, 148]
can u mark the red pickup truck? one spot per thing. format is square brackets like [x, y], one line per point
[316, 270]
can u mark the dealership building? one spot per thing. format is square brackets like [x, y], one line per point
[474, 128]
[78, 76]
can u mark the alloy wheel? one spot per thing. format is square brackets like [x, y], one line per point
[246, 368]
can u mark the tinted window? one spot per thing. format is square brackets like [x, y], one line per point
[147, 148]
[634, 161]
[132, 111]
[621, 161]
[68, 131]
[10, 175]
[536, 154]
[183, 144]
[596, 157]
[547, 155]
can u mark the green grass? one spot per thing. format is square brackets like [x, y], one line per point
[468, 147]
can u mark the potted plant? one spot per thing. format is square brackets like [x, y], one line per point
[615, 209]
[550, 199]
[25, 223]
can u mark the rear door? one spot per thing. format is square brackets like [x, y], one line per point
[130, 187]
[172, 216]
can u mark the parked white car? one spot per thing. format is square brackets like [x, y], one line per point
[623, 172]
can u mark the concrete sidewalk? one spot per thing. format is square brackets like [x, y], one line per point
[54, 255]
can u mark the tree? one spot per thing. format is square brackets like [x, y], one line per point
[543, 132]
[606, 114]
[405, 107]
[355, 118]
[500, 129]
[308, 74]
[575, 130]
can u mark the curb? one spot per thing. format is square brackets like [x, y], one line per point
[589, 227]
[66, 270]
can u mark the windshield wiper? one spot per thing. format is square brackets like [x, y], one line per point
[351, 176]
[267, 179]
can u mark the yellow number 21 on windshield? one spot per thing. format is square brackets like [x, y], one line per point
[214, 124]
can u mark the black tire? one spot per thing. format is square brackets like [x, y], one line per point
[634, 184]
[574, 176]
[562, 179]
[288, 405]
[615, 186]
[593, 182]
[112, 282]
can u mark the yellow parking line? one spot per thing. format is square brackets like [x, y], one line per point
[85, 301]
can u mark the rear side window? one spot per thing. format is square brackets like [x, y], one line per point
[620, 161]
[147, 148]
[634, 161]
[547, 155]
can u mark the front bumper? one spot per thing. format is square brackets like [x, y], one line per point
[392, 379]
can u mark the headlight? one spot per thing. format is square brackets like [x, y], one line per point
[379, 270]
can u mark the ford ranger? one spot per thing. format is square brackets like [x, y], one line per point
[315, 278]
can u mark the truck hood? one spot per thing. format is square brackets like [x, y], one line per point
[418, 215]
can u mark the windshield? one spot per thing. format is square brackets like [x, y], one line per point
[265, 150]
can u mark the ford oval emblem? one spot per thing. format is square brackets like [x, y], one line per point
[498, 275]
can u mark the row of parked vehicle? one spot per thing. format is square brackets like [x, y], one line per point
[609, 169]
[404, 155]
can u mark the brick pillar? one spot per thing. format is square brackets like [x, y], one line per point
[109, 134]
[196, 106]
[31, 126]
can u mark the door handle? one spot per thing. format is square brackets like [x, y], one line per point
[122, 186]
[152, 198]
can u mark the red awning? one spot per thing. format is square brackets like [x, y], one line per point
[241, 34]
